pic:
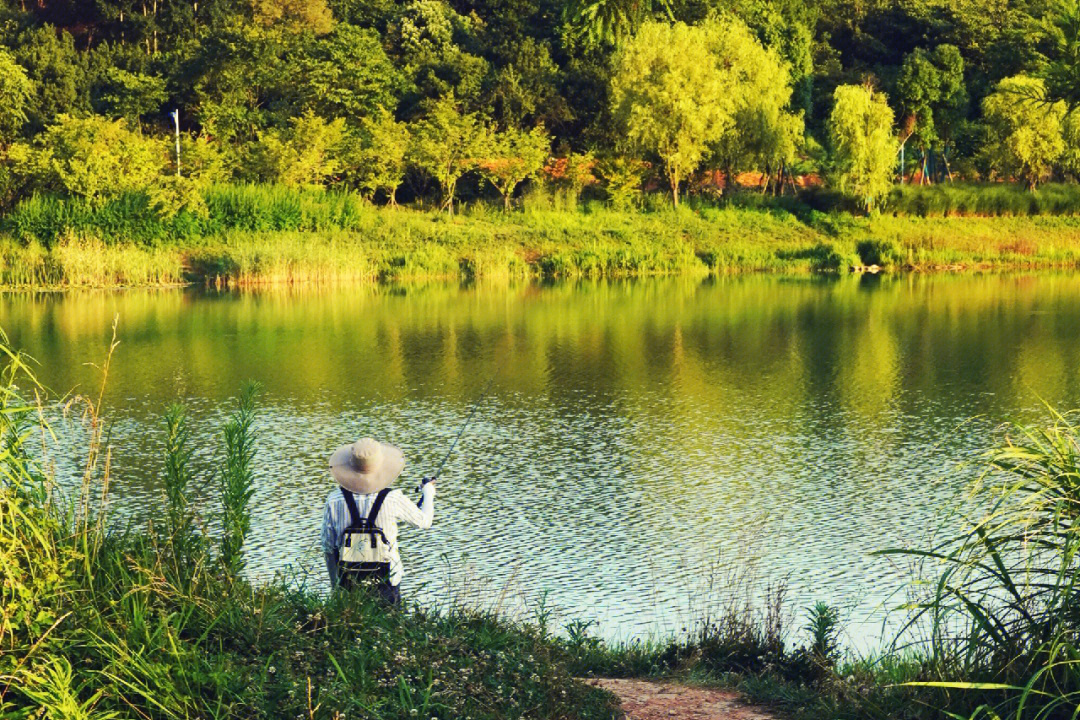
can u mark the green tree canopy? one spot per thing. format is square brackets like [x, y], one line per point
[671, 96]
[931, 90]
[379, 163]
[525, 91]
[428, 36]
[512, 156]
[611, 21]
[94, 158]
[1062, 71]
[1024, 129]
[293, 15]
[863, 145]
[308, 152]
[764, 133]
[446, 142]
[347, 74]
[15, 91]
[130, 95]
[58, 74]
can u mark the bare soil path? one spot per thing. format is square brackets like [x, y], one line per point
[645, 700]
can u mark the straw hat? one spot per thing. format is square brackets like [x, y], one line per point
[366, 466]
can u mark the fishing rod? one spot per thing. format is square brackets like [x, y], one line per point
[464, 426]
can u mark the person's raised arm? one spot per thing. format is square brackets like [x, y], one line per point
[418, 516]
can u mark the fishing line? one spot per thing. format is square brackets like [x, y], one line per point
[464, 427]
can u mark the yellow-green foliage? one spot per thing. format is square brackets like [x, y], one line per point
[445, 144]
[34, 567]
[378, 158]
[87, 262]
[257, 234]
[91, 157]
[15, 90]
[861, 132]
[307, 153]
[512, 156]
[671, 96]
[763, 133]
[1025, 129]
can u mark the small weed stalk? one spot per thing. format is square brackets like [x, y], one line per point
[237, 481]
[823, 627]
[180, 537]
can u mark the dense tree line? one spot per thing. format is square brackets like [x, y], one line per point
[412, 99]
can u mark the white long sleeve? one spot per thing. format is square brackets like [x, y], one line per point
[421, 516]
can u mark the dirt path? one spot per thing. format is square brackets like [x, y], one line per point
[643, 700]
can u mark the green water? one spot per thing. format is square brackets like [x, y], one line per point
[643, 441]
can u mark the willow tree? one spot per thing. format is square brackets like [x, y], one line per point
[764, 133]
[1024, 129]
[671, 97]
[611, 20]
[863, 146]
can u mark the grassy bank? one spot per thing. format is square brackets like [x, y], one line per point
[255, 234]
[99, 622]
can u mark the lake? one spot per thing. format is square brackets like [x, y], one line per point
[644, 445]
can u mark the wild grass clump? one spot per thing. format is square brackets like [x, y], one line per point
[737, 638]
[1005, 607]
[82, 261]
[132, 218]
[264, 208]
[881, 253]
[128, 218]
[99, 622]
[983, 199]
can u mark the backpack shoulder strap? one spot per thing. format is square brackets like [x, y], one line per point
[375, 508]
[355, 521]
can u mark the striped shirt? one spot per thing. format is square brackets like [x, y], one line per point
[396, 508]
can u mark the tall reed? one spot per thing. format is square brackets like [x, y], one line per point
[983, 199]
[237, 481]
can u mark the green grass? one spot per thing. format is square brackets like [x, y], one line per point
[983, 200]
[99, 622]
[267, 234]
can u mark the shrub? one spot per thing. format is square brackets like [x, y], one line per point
[883, 253]
[306, 153]
[622, 181]
[92, 158]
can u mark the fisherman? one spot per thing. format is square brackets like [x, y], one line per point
[360, 522]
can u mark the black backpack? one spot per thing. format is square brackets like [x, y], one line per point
[365, 554]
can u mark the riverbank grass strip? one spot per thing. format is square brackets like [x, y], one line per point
[281, 236]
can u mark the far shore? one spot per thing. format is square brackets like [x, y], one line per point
[256, 235]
